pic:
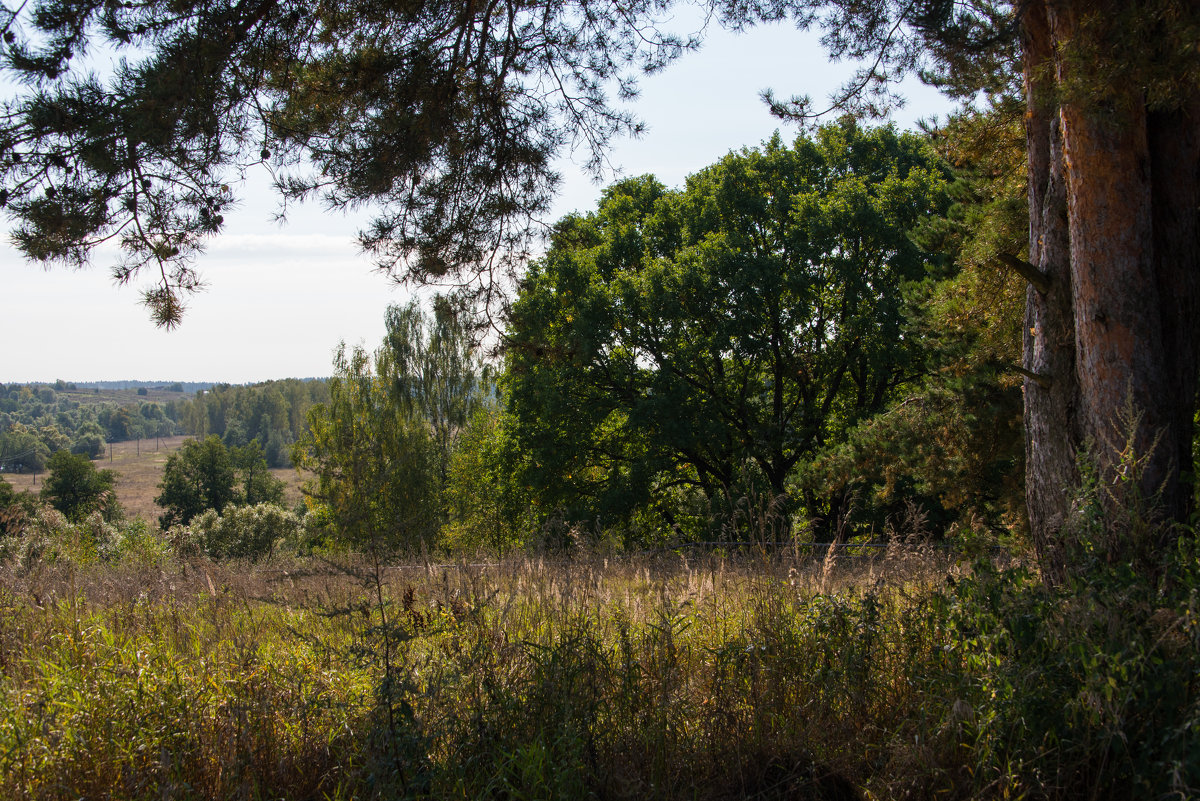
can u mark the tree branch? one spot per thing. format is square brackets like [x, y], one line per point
[1036, 278]
[1043, 381]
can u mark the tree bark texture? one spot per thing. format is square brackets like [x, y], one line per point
[1052, 433]
[1113, 224]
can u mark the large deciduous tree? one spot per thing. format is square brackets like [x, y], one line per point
[205, 474]
[198, 477]
[741, 324]
[435, 369]
[76, 488]
[374, 463]
[380, 448]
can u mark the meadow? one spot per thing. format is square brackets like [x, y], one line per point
[135, 666]
[718, 676]
[139, 466]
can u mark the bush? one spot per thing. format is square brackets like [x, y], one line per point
[77, 489]
[51, 537]
[245, 532]
[1085, 687]
[136, 542]
[15, 510]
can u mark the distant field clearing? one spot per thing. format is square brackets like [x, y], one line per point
[139, 464]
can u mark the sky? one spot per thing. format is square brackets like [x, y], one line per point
[280, 298]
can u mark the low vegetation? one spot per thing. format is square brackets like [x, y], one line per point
[138, 673]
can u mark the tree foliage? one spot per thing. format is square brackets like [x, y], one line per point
[382, 446]
[433, 365]
[273, 412]
[487, 506]
[77, 489]
[205, 474]
[952, 443]
[21, 449]
[89, 440]
[719, 335]
[374, 463]
[1111, 104]
[447, 117]
[199, 476]
[71, 418]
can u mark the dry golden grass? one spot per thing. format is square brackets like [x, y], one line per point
[661, 677]
[139, 465]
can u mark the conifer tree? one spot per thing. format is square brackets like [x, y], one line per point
[444, 116]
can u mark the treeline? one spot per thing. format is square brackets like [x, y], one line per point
[273, 412]
[168, 386]
[38, 420]
[807, 340]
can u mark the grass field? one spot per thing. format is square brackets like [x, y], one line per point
[139, 466]
[524, 678]
[122, 397]
[593, 677]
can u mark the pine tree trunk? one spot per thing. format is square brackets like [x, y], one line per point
[1052, 433]
[1175, 183]
[1113, 225]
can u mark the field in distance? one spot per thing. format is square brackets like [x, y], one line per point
[122, 397]
[139, 464]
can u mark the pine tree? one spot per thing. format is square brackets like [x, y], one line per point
[444, 116]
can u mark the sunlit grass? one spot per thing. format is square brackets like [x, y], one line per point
[661, 677]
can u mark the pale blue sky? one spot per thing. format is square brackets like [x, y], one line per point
[280, 298]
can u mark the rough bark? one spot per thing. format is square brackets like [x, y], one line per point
[1052, 433]
[1113, 223]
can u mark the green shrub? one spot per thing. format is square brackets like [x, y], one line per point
[51, 537]
[1087, 687]
[136, 542]
[243, 532]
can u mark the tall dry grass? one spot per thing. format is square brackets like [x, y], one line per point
[660, 677]
[665, 676]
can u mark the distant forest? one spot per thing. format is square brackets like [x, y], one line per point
[173, 386]
[37, 420]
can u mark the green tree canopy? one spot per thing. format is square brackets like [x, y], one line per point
[21, 449]
[374, 462]
[382, 447]
[718, 335]
[199, 476]
[256, 484]
[205, 474]
[76, 488]
[272, 412]
[89, 440]
[434, 367]
[952, 443]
